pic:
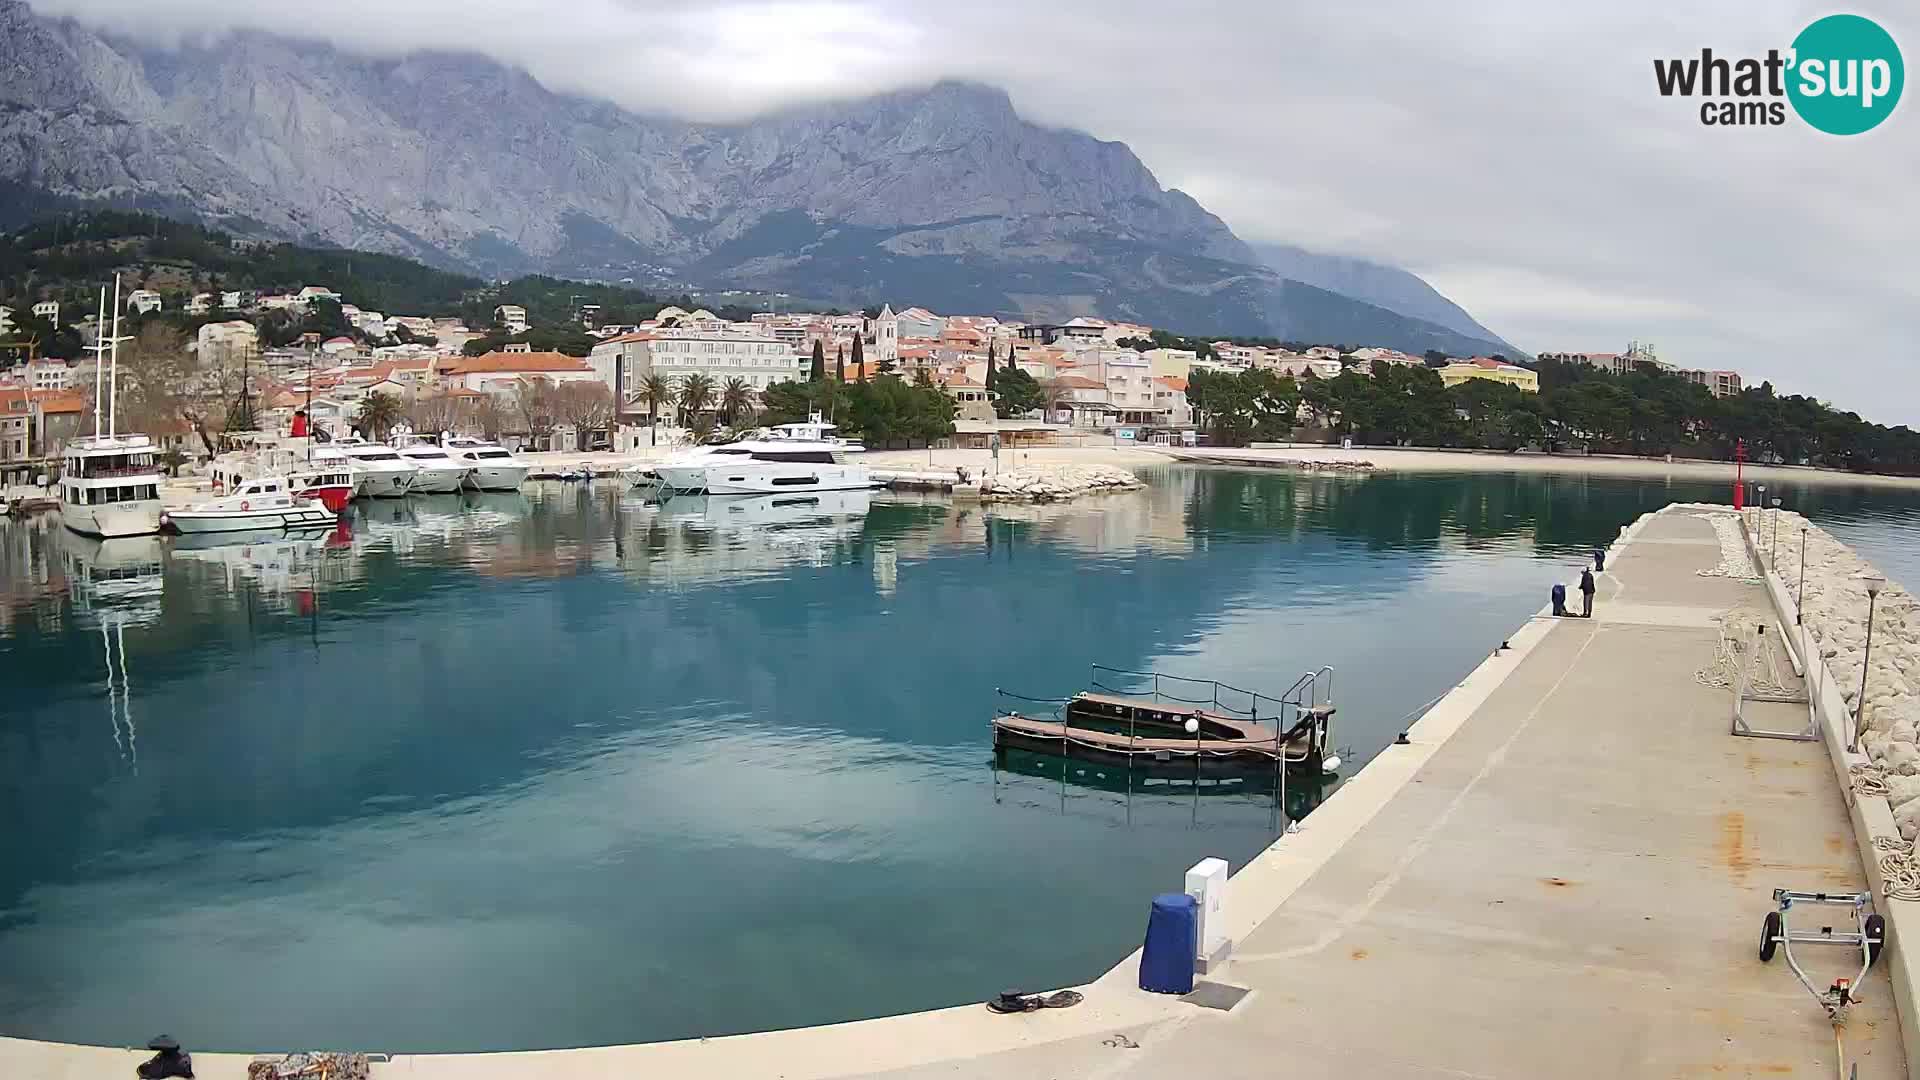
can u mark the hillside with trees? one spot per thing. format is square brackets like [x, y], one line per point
[1648, 412]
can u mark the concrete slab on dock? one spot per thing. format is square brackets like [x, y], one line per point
[1563, 875]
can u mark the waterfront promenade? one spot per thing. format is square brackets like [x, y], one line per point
[1562, 874]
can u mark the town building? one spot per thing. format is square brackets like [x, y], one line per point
[1482, 367]
[1720, 384]
[502, 372]
[916, 322]
[226, 344]
[49, 373]
[1170, 363]
[511, 317]
[143, 301]
[886, 335]
[48, 310]
[758, 359]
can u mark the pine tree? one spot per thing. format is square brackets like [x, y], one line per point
[990, 356]
[819, 362]
[840, 363]
[859, 361]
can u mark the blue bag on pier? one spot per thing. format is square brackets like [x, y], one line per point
[1166, 964]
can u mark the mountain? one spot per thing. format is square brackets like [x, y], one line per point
[940, 196]
[1374, 283]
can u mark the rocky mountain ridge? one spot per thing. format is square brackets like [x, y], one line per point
[941, 196]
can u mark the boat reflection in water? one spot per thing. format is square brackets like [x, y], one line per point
[127, 574]
[1160, 783]
[697, 538]
[274, 560]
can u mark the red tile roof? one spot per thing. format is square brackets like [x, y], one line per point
[499, 361]
[1172, 380]
[1079, 382]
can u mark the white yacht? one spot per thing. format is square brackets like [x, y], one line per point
[265, 502]
[494, 468]
[787, 458]
[435, 470]
[110, 484]
[381, 471]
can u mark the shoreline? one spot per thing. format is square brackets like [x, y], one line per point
[1393, 459]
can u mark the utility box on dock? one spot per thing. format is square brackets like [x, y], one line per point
[1207, 884]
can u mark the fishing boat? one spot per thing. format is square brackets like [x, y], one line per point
[1207, 725]
[266, 502]
[110, 482]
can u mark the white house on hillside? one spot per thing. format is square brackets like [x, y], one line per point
[143, 301]
[511, 317]
[48, 310]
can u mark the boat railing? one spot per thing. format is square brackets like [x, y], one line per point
[1190, 690]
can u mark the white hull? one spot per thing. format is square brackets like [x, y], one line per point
[305, 515]
[108, 520]
[785, 479]
[498, 477]
[382, 483]
[434, 481]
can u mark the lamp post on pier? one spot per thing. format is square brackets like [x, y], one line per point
[1874, 584]
[1773, 542]
[1800, 596]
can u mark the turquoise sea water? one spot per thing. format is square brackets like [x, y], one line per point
[568, 769]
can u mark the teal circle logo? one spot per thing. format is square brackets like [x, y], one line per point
[1846, 74]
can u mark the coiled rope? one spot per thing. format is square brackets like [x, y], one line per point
[1899, 875]
[1869, 779]
[1765, 682]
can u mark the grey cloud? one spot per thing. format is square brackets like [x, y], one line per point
[1514, 153]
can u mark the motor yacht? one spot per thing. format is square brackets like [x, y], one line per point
[435, 470]
[265, 502]
[786, 458]
[494, 468]
[381, 471]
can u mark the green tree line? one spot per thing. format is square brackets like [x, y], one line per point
[1647, 412]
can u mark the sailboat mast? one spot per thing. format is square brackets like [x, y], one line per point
[99, 352]
[113, 364]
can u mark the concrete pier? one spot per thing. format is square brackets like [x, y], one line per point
[1562, 873]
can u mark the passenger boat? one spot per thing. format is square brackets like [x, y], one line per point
[491, 467]
[266, 502]
[1209, 734]
[792, 443]
[110, 484]
[381, 471]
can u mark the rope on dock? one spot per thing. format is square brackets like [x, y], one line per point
[1764, 680]
[1869, 779]
[1899, 875]
[1734, 562]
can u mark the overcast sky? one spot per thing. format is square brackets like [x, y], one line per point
[1513, 153]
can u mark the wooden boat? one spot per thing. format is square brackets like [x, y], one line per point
[1117, 729]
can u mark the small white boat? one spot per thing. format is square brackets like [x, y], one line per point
[381, 471]
[435, 470]
[265, 502]
[493, 467]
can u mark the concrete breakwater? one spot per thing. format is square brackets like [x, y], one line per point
[1048, 482]
[1833, 606]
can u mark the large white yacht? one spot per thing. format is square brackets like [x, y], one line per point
[435, 470]
[494, 468]
[381, 471]
[791, 457]
[110, 484]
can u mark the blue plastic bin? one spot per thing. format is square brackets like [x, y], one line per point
[1166, 964]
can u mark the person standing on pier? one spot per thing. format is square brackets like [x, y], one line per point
[1586, 593]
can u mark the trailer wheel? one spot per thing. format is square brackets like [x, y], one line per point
[1876, 928]
[1769, 935]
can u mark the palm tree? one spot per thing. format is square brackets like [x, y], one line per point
[378, 413]
[736, 397]
[696, 393]
[658, 394]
